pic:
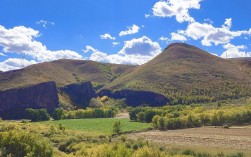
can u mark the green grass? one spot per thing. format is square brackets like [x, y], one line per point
[99, 125]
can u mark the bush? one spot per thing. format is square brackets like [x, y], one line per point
[161, 123]
[148, 116]
[20, 143]
[89, 113]
[155, 121]
[141, 117]
[117, 127]
[57, 114]
[36, 115]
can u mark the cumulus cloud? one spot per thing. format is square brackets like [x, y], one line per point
[107, 36]
[135, 51]
[141, 46]
[131, 30]
[212, 35]
[178, 37]
[22, 40]
[233, 51]
[15, 63]
[45, 23]
[177, 8]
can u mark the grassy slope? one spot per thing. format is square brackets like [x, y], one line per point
[63, 72]
[100, 125]
[179, 69]
[185, 68]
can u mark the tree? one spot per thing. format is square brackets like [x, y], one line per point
[141, 117]
[161, 123]
[117, 127]
[36, 115]
[57, 114]
[148, 116]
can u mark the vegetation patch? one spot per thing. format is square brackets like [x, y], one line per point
[100, 125]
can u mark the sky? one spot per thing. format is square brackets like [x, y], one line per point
[119, 31]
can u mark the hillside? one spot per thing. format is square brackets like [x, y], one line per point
[63, 72]
[244, 64]
[181, 74]
[187, 74]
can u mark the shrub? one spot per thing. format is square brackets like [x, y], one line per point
[155, 121]
[141, 117]
[117, 127]
[148, 116]
[20, 143]
[161, 123]
[36, 115]
[57, 114]
[104, 98]
[123, 138]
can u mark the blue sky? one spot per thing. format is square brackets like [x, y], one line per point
[119, 31]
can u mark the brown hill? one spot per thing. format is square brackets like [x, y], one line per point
[182, 73]
[63, 72]
[187, 74]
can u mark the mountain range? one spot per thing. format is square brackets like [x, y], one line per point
[182, 73]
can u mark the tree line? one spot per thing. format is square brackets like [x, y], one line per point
[177, 117]
[36, 115]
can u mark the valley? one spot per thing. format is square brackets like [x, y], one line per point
[185, 102]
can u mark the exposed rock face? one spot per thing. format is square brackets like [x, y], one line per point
[13, 102]
[137, 98]
[80, 94]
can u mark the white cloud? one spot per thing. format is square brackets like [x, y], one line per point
[177, 8]
[131, 30]
[107, 36]
[162, 38]
[210, 34]
[141, 46]
[115, 43]
[44, 23]
[1, 54]
[21, 40]
[233, 51]
[15, 63]
[135, 51]
[178, 37]
[147, 15]
[228, 23]
[208, 21]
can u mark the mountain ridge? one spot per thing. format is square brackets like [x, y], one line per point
[183, 73]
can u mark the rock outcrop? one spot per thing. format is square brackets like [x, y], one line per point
[80, 94]
[13, 102]
[137, 98]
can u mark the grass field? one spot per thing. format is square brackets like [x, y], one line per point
[99, 125]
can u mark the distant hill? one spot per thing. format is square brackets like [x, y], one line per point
[182, 73]
[63, 72]
[188, 74]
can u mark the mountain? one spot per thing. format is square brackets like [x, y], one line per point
[182, 73]
[63, 72]
[187, 74]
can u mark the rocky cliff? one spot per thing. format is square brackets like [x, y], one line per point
[13, 102]
[79, 94]
[137, 98]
